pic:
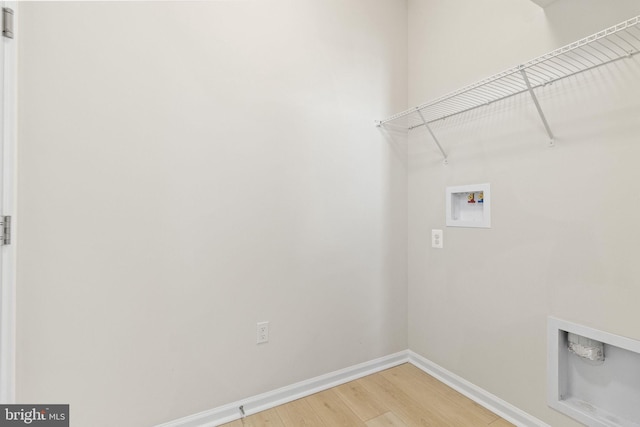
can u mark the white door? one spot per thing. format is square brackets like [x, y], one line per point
[7, 193]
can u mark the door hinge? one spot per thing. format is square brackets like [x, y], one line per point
[5, 224]
[7, 22]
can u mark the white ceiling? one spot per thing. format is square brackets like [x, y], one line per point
[543, 3]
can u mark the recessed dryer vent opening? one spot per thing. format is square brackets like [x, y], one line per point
[593, 376]
[585, 348]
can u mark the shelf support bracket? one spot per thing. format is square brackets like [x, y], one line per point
[535, 101]
[444, 154]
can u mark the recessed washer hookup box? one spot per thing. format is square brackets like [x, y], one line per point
[469, 206]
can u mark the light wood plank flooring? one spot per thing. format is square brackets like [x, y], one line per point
[402, 396]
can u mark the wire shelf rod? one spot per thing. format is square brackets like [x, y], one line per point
[513, 84]
[609, 48]
[464, 102]
[633, 35]
[460, 91]
[540, 78]
[539, 75]
[625, 41]
[442, 118]
[494, 91]
[603, 47]
[478, 97]
[568, 67]
[583, 55]
[558, 67]
[596, 49]
[514, 94]
[580, 43]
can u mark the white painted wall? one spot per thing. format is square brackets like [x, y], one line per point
[187, 169]
[564, 239]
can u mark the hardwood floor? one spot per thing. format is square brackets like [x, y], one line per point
[402, 396]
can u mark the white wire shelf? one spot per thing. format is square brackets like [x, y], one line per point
[603, 47]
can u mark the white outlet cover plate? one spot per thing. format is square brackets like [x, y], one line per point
[437, 239]
[262, 332]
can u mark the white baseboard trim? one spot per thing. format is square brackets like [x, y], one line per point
[480, 396]
[264, 401]
[271, 399]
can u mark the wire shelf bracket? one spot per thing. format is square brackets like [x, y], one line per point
[435, 139]
[537, 104]
[599, 49]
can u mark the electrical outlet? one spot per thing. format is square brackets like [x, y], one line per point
[437, 239]
[263, 332]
